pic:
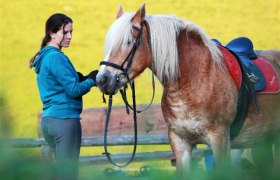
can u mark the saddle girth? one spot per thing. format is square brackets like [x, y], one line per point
[239, 74]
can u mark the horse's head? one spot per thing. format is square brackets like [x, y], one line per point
[127, 51]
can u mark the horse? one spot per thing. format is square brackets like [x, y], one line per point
[200, 96]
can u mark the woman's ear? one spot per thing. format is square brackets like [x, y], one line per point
[52, 35]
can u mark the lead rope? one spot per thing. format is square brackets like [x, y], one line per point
[123, 93]
[135, 129]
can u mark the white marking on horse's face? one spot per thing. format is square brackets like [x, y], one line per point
[107, 79]
[102, 67]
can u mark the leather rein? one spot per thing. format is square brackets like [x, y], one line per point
[128, 60]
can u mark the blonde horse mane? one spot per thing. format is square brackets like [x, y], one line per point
[164, 31]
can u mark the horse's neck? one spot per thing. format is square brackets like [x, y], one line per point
[195, 61]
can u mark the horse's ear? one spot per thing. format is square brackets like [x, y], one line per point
[139, 15]
[120, 11]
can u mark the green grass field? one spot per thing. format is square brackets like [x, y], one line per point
[22, 28]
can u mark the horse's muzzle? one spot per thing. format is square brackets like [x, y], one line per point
[108, 82]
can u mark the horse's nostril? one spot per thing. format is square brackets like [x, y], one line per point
[108, 83]
[102, 80]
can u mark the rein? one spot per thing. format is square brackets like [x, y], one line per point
[135, 129]
[123, 93]
[128, 60]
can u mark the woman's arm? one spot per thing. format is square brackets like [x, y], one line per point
[65, 73]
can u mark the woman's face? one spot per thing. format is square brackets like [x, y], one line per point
[62, 37]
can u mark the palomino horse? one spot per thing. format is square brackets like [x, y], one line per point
[199, 100]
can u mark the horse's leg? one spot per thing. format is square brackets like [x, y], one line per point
[276, 151]
[182, 152]
[235, 157]
[262, 155]
[220, 143]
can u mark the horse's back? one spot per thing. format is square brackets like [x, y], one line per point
[272, 56]
[263, 122]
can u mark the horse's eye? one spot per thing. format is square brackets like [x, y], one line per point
[129, 42]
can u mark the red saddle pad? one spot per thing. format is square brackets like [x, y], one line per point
[270, 76]
[233, 66]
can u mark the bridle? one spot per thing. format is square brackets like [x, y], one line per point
[128, 60]
[129, 57]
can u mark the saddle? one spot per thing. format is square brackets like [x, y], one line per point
[252, 75]
[239, 55]
[242, 48]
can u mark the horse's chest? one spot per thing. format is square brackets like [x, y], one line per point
[185, 123]
[188, 128]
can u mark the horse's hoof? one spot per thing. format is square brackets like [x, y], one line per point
[145, 170]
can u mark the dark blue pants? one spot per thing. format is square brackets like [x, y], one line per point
[64, 137]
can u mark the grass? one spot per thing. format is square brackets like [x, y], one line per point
[22, 28]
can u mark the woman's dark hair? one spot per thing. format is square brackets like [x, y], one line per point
[53, 24]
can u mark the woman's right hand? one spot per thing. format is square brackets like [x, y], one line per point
[92, 75]
[81, 77]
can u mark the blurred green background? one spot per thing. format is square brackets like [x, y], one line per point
[22, 29]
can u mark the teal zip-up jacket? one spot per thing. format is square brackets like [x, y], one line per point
[58, 83]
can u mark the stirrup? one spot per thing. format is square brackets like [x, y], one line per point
[253, 79]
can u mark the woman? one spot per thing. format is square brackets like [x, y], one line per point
[61, 89]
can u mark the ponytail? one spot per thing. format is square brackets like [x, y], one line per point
[32, 60]
[45, 41]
